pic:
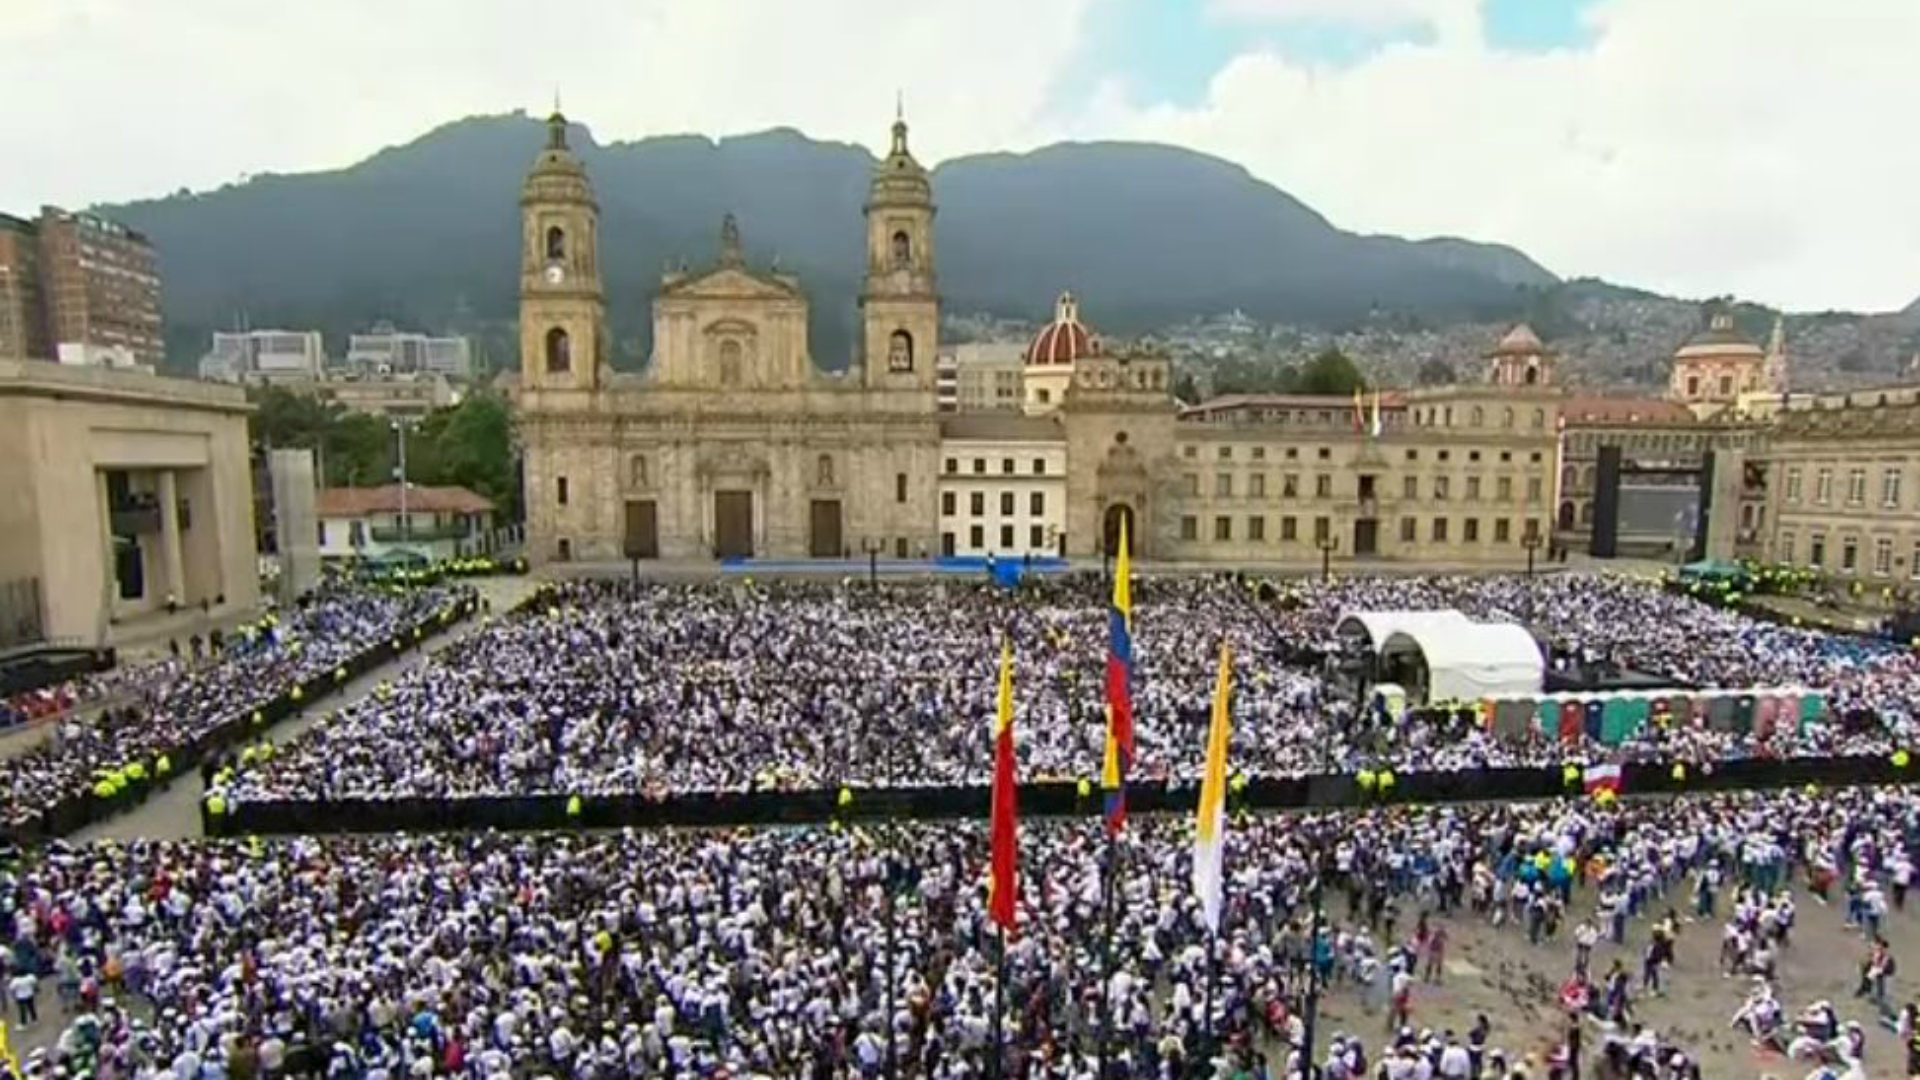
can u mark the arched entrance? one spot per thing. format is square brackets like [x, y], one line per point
[1110, 530]
[1566, 516]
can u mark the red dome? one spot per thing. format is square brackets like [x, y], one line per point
[1065, 339]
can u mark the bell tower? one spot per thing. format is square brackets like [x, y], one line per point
[562, 311]
[900, 303]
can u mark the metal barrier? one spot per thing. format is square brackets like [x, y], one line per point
[1039, 799]
[80, 810]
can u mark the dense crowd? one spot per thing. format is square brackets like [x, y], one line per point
[618, 689]
[160, 706]
[765, 954]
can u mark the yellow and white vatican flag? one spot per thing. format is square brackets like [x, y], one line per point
[1210, 833]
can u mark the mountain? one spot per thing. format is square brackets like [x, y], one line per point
[427, 234]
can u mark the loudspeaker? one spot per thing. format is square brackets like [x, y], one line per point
[1606, 505]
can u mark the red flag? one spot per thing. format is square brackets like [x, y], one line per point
[1004, 889]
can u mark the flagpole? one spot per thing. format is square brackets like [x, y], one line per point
[1213, 976]
[1108, 888]
[995, 1050]
[1312, 1010]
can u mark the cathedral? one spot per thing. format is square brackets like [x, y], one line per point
[732, 443]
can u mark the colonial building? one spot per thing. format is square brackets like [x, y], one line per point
[1845, 490]
[733, 443]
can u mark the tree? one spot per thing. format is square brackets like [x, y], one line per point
[1330, 373]
[1436, 372]
[472, 445]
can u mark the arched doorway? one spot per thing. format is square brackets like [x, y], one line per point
[1566, 516]
[1110, 530]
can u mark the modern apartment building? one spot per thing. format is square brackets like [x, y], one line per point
[79, 289]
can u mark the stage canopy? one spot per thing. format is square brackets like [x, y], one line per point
[1466, 660]
[1377, 626]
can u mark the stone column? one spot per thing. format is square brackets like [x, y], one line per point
[170, 554]
[109, 568]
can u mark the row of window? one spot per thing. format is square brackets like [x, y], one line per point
[977, 539]
[1442, 487]
[1324, 453]
[1439, 530]
[1849, 554]
[977, 503]
[1856, 486]
[1007, 466]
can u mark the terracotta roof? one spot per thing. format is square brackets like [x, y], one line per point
[359, 502]
[1578, 411]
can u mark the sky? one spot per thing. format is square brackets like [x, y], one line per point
[1758, 148]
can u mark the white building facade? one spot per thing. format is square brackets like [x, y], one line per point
[1002, 487]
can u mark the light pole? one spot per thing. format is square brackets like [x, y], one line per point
[1531, 542]
[872, 547]
[1311, 1013]
[400, 427]
[1326, 543]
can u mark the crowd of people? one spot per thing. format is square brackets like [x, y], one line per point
[613, 688]
[821, 952]
[159, 706]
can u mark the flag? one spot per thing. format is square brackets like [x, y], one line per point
[1209, 838]
[1373, 427]
[1359, 413]
[1603, 778]
[1004, 891]
[1118, 760]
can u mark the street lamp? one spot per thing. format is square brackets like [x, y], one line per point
[1531, 541]
[872, 547]
[1326, 543]
[1311, 1013]
[400, 427]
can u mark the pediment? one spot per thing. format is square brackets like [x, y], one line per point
[730, 283]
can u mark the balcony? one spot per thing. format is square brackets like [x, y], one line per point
[420, 534]
[134, 517]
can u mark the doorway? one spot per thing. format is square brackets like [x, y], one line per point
[824, 534]
[1366, 536]
[643, 530]
[733, 524]
[1117, 514]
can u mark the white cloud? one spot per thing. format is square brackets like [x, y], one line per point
[1449, 19]
[1747, 146]
[138, 98]
[1699, 147]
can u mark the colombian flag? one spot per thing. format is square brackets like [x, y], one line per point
[1004, 887]
[1119, 756]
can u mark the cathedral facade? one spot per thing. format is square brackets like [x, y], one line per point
[732, 443]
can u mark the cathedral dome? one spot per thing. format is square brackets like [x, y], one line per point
[1065, 339]
[1719, 341]
[1520, 341]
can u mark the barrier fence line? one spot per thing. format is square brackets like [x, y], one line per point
[77, 811]
[1044, 798]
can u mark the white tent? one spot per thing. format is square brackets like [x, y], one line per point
[1467, 661]
[1378, 626]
